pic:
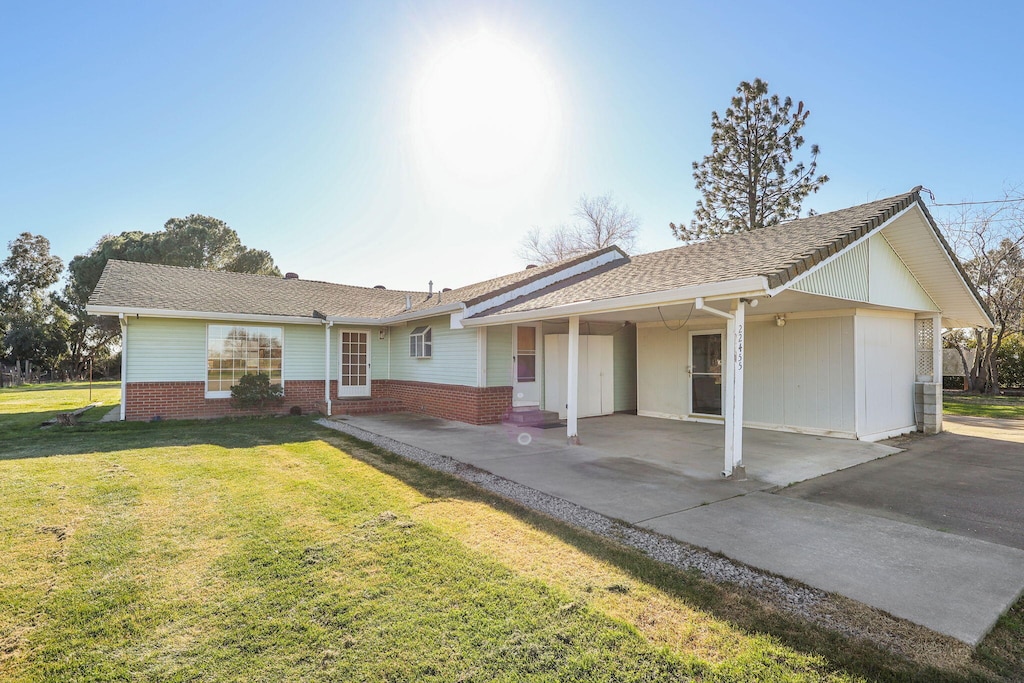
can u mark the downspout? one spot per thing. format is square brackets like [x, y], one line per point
[327, 366]
[124, 361]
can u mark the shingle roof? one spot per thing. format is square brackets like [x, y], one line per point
[127, 284]
[778, 253]
[146, 285]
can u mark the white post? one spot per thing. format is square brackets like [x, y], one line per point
[327, 367]
[736, 367]
[572, 409]
[124, 362]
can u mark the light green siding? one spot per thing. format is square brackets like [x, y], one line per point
[499, 356]
[174, 350]
[453, 360]
[166, 350]
[624, 359]
[303, 352]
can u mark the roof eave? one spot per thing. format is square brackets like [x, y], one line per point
[729, 289]
[93, 309]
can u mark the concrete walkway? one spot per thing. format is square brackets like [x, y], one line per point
[664, 475]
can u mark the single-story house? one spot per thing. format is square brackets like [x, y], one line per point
[826, 325]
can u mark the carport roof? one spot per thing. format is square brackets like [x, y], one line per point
[777, 254]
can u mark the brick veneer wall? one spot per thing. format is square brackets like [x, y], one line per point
[185, 400]
[179, 400]
[475, 405]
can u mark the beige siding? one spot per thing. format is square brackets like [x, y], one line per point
[801, 376]
[453, 360]
[661, 371]
[845, 277]
[174, 350]
[499, 356]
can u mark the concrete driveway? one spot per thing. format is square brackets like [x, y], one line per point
[907, 532]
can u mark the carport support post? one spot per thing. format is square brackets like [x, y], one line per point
[572, 408]
[734, 394]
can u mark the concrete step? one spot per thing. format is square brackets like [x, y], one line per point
[530, 416]
[365, 406]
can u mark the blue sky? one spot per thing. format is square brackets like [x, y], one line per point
[301, 124]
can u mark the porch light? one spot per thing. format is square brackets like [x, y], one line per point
[780, 320]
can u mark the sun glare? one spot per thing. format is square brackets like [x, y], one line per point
[485, 112]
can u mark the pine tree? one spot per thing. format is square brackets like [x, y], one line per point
[749, 180]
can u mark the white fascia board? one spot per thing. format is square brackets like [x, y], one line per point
[730, 289]
[202, 315]
[821, 264]
[546, 281]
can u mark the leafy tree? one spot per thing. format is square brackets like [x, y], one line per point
[990, 242]
[28, 269]
[749, 180]
[37, 332]
[599, 222]
[195, 241]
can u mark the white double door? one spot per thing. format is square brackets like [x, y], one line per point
[596, 374]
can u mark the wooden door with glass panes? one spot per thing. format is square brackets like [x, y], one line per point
[354, 363]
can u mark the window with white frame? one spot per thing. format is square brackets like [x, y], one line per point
[420, 345]
[236, 350]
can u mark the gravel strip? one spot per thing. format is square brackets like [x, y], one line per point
[811, 604]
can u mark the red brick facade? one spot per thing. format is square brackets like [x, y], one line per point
[475, 405]
[180, 400]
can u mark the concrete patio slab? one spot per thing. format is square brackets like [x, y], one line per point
[951, 584]
[664, 475]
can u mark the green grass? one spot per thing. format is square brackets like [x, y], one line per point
[29, 406]
[973, 405]
[272, 549]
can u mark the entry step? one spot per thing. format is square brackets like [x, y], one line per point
[531, 416]
[365, 406]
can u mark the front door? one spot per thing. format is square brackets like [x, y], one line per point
[525, 382]
[354, 363]
[706, 373]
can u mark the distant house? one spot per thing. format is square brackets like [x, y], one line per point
[825, 325]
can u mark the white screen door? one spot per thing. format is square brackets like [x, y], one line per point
[354, 363]
[706, 373]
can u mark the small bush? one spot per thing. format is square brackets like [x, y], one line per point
[256, 391]
[296, 410]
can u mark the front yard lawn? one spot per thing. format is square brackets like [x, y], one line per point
[984, 406]
[272, 549]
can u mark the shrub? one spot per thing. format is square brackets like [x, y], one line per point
[296, 410]
[256, 391]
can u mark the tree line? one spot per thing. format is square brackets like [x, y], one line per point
[43, 322]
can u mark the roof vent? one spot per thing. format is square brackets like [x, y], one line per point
[379, 287]
[531, 265]
[291, 276]
[447, 289]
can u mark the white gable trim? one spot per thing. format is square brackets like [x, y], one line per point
[730, 289]
[546, 281]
